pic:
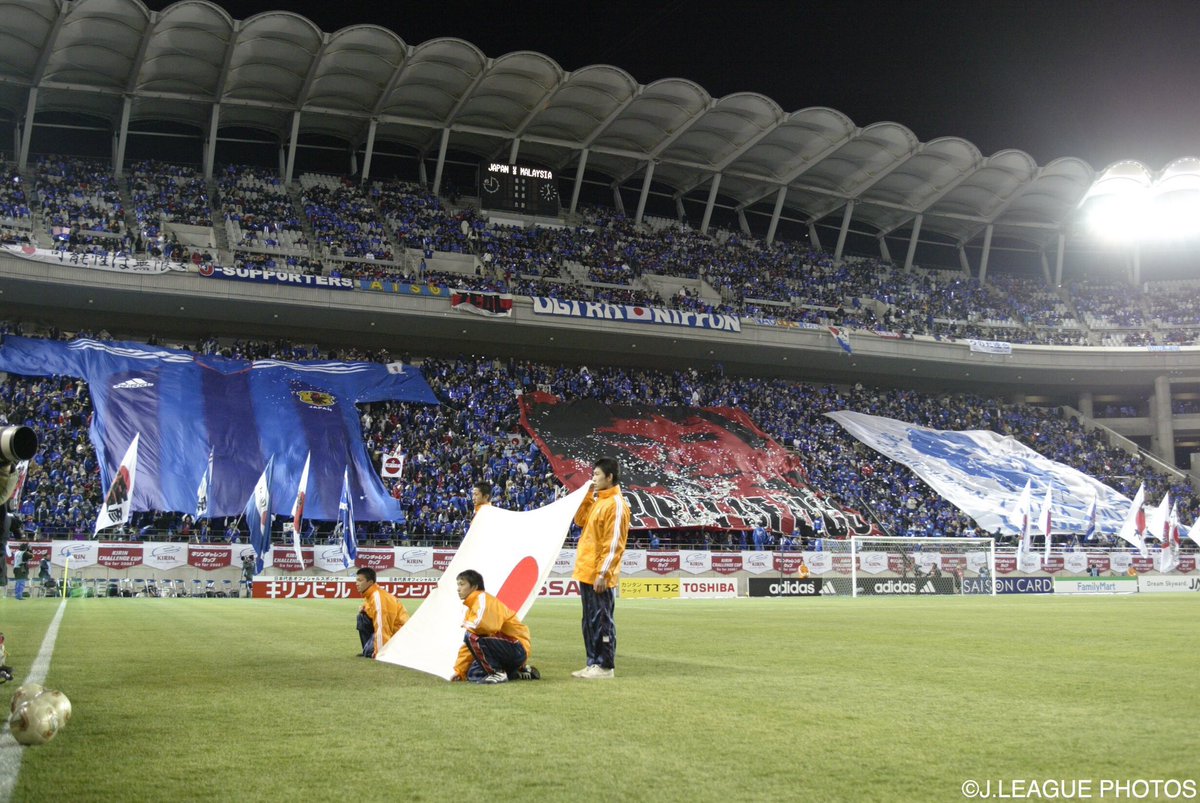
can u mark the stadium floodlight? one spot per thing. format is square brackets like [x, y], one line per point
[1129, 204]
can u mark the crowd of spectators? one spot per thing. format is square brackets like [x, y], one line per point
[14, 203]
[290, 263]
[784, 282]
[258, 211]
[167, 193]
[474, 435]
[420, 221]
[79, 199]
[1107, 305]
[344, 221]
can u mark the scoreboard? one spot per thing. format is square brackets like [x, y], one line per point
[518, 188]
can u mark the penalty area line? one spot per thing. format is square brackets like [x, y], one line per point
[10, 751]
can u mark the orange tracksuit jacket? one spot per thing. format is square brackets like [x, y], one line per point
[387, 613]
[605, 523]
[488, 616]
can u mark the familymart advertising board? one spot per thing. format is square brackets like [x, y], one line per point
[1095, 585]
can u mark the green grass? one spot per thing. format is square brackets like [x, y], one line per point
[825, 699]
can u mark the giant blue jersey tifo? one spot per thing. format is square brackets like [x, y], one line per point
[185, 405]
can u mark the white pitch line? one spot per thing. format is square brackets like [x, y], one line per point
[10, 751]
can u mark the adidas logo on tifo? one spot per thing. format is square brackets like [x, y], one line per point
[136, 382]
[928, 589]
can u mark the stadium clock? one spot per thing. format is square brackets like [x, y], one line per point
[518, 188]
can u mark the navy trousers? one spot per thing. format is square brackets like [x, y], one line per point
[494, 654]
[366, 634]
[599, 627]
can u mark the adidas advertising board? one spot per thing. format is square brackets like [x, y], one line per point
[785, 587]
[903, 585]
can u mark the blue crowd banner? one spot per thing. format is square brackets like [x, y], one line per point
[185, 405]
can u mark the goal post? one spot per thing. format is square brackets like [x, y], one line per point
[914, 565]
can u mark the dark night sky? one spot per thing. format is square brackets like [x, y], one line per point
[1101, 80]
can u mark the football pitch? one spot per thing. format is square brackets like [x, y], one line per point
[748, 699]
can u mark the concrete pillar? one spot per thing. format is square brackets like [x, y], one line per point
[1087, 404]
[987, 250]
[712, 200]
[618, 201]
[884, 252]
[422, 173]
[1058, 260]
[583, 155]
[1045, 267]
[680, 212]
[1164, 426]
[27, 128]
[912, 242]
[441, 162]
[282, 160]
[744, 224]
[369, 152]
[514, 150]
[776, 214]
[641, 207]
[122, 136]
[843, 231]
[292, 143]
[1135, 267]
[353, 162]
[963, 262]
[813, 238]
[210, 147]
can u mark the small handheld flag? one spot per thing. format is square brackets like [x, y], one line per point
[298, 510]
[258, 516]
[1135, 522]
[1045, 519]
[118, 502]
[346, 523]
[202, 491]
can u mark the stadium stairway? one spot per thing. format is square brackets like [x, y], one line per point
[393, 240]
[293, 193]
[220, 235]
[576, 270]
[131, 221]
[1119, 441]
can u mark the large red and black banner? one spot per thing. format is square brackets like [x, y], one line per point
[685, 467]
[490, 304]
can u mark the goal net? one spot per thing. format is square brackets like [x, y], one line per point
[919, 566]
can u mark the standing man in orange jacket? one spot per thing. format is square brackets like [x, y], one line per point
[604, 518]
[481, 496]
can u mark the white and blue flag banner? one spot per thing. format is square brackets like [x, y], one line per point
[983, 474]
[990, 346]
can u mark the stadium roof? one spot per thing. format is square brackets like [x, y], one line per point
[109, 58]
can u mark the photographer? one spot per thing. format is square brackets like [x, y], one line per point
[10, 527]
[21, 563]
[248, 574]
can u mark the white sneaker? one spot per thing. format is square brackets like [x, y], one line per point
[578, 673]
[597, 672]
[496, 677]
